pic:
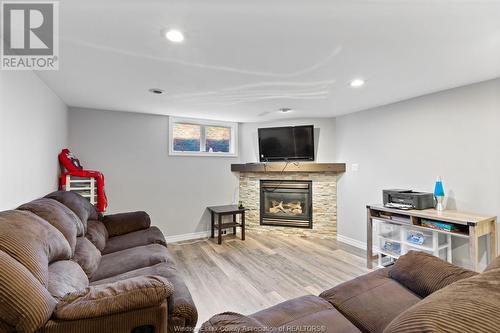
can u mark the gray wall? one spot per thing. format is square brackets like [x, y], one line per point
[324, 132]
[454, 134]
[33, 130]
[132, 151]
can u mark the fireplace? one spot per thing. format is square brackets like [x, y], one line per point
[286, 203]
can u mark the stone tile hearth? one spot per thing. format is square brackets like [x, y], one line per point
[324, 189]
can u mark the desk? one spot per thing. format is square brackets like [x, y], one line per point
[221, 211]
[470, 226]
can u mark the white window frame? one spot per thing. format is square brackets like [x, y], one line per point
[233, 143]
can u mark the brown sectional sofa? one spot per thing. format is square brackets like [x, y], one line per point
[419, 293]
[64, 268]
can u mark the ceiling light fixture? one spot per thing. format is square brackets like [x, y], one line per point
[285, 110]
[357, 83]
[175, 36]
[156, 91]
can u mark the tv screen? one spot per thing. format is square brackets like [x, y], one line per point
[286, 143]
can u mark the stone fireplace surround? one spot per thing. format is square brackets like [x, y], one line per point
[324, 189]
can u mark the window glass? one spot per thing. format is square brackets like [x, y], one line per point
[198, 137]
[217, 139]
[186, 137]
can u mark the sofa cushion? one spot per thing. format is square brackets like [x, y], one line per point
[32, 241]
[148, 236]
[371, 301]
[305, 311]
[469, 305]
[66, 276]
[152, 319]
[231, 322]
[6, 328]
[123, 223]
[25, 304]
[97, 234]
[59, 216]
[424, 273]
[108, 299]
[78, 204]
[87, 256]
[181, 308]
[128, 260]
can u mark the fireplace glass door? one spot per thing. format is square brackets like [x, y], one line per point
[286, 203]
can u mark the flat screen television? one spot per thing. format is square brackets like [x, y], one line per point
[292, 143]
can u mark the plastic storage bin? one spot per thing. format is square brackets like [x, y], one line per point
[389, 231]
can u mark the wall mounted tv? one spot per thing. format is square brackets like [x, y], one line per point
[292, 143]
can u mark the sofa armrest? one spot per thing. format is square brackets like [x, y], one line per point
[123, 223]
[182, 311]
[424, 274]
[232, 322]
[112, 298]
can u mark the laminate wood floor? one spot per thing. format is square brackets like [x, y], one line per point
[265, 269]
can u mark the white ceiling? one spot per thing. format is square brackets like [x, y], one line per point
[242, 60]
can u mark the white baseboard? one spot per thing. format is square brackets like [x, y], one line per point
[185, 237]
[204, 234]
[356, 243]
[352, 242]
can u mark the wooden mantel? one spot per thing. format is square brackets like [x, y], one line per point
[291, 167]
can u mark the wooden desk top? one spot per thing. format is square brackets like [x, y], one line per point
[452, 216]
[227, 209]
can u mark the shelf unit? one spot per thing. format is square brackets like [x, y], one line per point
[468, 226]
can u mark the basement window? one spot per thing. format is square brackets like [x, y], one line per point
[196, 137]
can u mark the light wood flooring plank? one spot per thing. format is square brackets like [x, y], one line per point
[265, 269]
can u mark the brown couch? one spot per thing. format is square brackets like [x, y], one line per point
[419, 293]
[64, 268]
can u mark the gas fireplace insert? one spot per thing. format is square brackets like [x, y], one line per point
[286, 203]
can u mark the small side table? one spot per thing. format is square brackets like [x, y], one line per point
[221, 211]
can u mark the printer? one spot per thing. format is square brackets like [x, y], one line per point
[408, 199]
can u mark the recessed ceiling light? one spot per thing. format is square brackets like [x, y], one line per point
[156, 91]
[173, 35]
[356, 83]
[285, 110]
